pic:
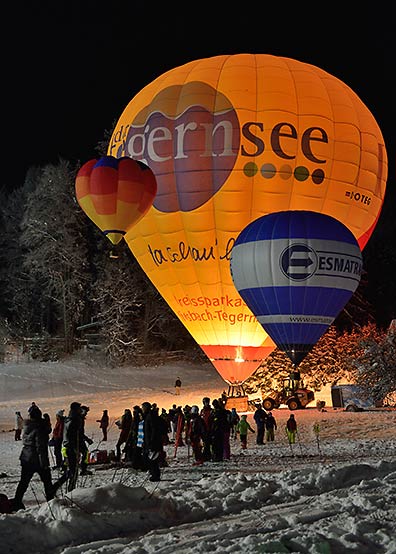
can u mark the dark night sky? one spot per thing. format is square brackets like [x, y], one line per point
[70, 68]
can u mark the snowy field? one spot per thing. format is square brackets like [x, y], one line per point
[331, 493]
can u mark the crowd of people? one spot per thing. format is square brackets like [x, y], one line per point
[144, 432]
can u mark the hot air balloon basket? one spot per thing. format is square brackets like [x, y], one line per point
[240, 403]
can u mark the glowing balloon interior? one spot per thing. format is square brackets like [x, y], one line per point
[115, 193]
[229, 139]
[296, 270]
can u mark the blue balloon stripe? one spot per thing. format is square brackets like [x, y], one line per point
[300, 300]
[107, 161]
[281, 225]
[290, 333]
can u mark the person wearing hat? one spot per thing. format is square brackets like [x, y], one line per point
[34, 457]
[57, 438]
[71, 445]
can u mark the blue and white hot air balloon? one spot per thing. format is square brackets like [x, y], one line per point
[296, 270]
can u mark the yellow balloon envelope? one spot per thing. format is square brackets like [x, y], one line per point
[229, 139]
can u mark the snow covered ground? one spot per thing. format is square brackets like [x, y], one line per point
[330, 493]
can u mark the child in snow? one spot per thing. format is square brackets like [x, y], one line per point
[291, 429]
[270, 426]
[243, 428]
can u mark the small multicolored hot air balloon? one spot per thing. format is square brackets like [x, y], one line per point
[115, 193]
[296, 270]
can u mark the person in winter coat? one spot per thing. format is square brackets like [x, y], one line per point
[226, 435]
[234, 422]
[165, 416]
[32, 406]
[177, 386]
[270, 427]
[34, 457]
[133, 453]
[218, 424]
[18, 426]
[243, 428]
[195, 434]
[125, 428]
[104, 424]
[173, 421]
[153, 428]
[84, 442]
[57, 438]
[47, 420]
[260, 416]
[180, 420]
[291, 429]
[205, 414]
[71, 445]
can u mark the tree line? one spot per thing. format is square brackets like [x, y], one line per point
[58, 273]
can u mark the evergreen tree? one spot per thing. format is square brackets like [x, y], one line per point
[375, 362]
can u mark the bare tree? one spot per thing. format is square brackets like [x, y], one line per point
[53, 237]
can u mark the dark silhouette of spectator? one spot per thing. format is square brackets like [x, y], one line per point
[84, 442]
[57, 438]
[32, 406]
[217, 425]
[18, 426]
[270, 426]
[125, 427]
[34, 457]
[47, 420]
[195, 435]
[260, 417]
[133, 452]
[72, 438]
[234, 422]
[178, 386]
[173, 421]
[104, 424]
[206, 413]
[153, 429]
[180, 423]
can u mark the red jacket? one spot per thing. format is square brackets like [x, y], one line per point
[57, 432]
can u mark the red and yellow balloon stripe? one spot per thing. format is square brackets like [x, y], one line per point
[115, 193]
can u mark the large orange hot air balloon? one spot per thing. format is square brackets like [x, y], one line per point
[230, 139]
[115, 193]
